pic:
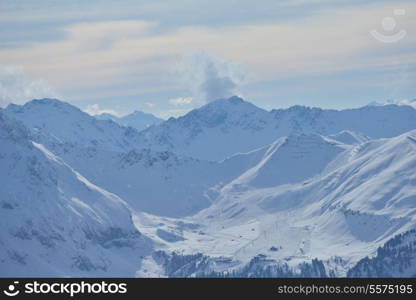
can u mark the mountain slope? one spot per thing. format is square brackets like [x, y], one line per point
[292, 160]
[53, 221]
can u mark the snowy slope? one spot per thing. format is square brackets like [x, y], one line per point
[362, 198]
[138, 119]
[53, 221]
[229, 126]
[291, 160]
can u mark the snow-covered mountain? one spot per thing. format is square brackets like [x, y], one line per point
[228, 126]
[59, 124]
[227, 190]
[137, 119]
[356, 201]
[54, 222]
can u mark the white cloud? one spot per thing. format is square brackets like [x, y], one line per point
[181, 101]
[408, 102]
[17, 87]
[124, 57]
[95, 109]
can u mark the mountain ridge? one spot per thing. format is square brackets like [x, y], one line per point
[235, 125]
[137, 119]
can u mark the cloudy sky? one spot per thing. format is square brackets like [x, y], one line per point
[167, 57]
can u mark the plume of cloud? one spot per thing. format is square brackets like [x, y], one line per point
[16, 87]
[209, 77]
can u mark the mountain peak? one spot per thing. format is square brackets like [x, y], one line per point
[42, 104]
[47, 101]
[139, 112]
[234, 100]
[232, 111]
[106, 116]
[233, 106]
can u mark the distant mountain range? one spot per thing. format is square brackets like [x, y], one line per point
[229, 189]
[138, 119]
[228, 126]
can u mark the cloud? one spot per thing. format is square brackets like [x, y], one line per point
[98, 36]
[127, 58]
[95, 109]
[176, 112]
[407, 102]
[150, 104]
[182, 101]
[208, 77]
[17, 87]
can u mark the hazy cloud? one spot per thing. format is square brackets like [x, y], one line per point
[176, 112]
[150, 104]
[181, 101]
[17, 87]
[408, 102]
